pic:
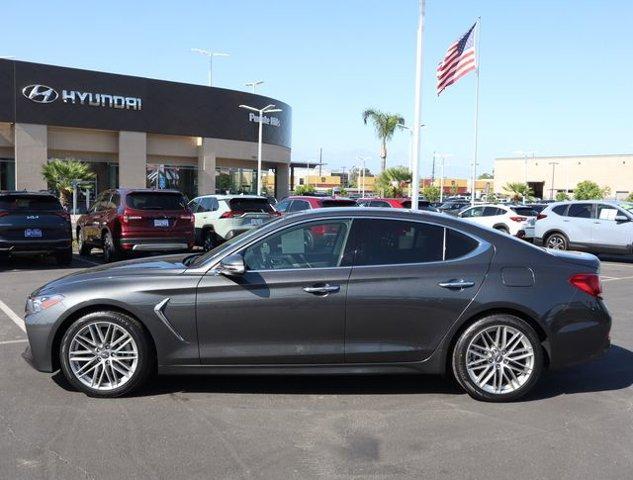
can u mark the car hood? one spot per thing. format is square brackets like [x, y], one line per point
[163, 265]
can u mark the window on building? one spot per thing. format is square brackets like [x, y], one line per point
[7, 174]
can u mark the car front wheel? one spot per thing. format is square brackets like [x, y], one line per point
[106, 354]
[110, 251]
[498, 359]
[84, 249]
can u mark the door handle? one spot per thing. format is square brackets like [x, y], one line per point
[456, 284]
[322, 289]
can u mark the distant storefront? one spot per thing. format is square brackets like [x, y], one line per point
[136, 132]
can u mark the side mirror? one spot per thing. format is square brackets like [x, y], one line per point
[233, 265]
[622, 218]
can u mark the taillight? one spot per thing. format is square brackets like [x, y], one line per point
[231, 214]
[541, 216]
[126, 217]
[588, 283]
[3, 213]
[188, 217]
[518, 219]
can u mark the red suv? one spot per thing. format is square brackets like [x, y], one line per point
[136, 220]
[393, 203]
[297, 203]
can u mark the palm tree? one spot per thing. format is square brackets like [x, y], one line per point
[393, 182]
[385, 125]
[60, 175]
[518, 190]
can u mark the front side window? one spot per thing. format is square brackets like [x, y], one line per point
[309, 245]
[580, 210]
[607, 212]
[389, 242]
[473, 212]
[379, 204]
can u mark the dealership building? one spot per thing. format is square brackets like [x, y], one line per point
[548, 176]
[137, 132]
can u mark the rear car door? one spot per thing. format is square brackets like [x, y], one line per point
[410, 282]
[578, 224]
[609, 235]
[289, 305]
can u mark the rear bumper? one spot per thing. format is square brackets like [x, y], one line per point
[149, 244]
[33, 246]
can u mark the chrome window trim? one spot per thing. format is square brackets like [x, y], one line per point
[481, 247]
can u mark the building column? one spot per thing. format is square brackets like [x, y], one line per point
[31, 154]
[132, 159]
[206, 167]
[282, 181]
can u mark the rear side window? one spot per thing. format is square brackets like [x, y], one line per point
[421, 204]
[493, 211]
[379, 204]
[299, 205]
[525, 211]
[457, 244]
[30, 203]
[580, 210]
[560, 209]
[388, 242]
[257, 205]
[208, 204]
[338, 203]
[156, 201]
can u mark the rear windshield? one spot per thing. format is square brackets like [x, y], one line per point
[338, 203]
[525, 211]
[259, 205]
[156, 201]
[421, 204]
[30, 203]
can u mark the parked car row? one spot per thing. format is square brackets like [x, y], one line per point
[127, 221]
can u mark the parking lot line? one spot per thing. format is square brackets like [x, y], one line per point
[13, 316]
[611, 279]
[8, 342]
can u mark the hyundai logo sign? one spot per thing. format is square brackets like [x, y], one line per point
[40, 93]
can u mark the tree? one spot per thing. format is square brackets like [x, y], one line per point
[588, 190]
[630, 197]
[393, 182]
[486, 176]
[385, 125]
[60, 175]
[561, 197]
[518, 191]
[431, 193]
[304, 189]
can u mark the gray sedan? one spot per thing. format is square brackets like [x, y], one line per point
[329, 291]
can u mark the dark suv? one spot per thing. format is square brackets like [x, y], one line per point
[136, 220]
[34, 223]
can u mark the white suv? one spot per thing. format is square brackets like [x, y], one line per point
[221, 217]
[512, 219]
[598, 226]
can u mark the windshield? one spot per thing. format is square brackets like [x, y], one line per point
[30, 203]
[156, 201]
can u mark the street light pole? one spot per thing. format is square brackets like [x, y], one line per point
[553, 164]
[261, 112]
[253, 85]
[210, 54]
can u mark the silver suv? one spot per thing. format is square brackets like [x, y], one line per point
[598, 226]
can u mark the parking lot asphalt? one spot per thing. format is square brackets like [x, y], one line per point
[578, 423]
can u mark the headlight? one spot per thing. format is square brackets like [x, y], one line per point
[37, 304]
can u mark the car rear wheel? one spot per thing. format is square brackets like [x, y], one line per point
[209, 240]
[110, 250]
[106, 354]
[503, 229]
[498, 359]
[557, 241]
[84, 249]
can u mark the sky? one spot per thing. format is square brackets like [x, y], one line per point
[556, 77]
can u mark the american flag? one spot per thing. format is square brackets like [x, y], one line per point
[459, 60]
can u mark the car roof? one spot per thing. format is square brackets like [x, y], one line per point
[231, 196]
[25, 192]
[126, 190]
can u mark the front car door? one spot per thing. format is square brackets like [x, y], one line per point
[609, 235]
[289, 305]
[410, 282]
[578, 224]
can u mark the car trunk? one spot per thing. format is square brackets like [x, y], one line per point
[587, 260]
[156, 214]
[250, 211]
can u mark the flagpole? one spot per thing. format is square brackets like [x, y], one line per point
[474, 165]
[417, 112]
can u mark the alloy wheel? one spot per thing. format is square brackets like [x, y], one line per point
[500, 359]
[556, 242]
[103, 356]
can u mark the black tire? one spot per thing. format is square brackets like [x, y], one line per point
[556, 241]
[460, 356]
[146, 355]
[64, 258]
[84, 249]
[110, 251]
[209, 240]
